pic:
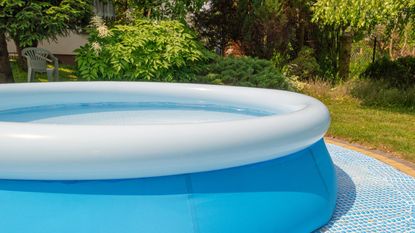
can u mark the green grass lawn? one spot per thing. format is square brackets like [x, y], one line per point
[388, 129]
[66, 73]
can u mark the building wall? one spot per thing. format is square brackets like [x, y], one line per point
[63, 47]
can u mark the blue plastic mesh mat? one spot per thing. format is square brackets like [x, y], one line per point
[372, 196]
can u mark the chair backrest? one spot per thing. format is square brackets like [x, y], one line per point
[36, 57]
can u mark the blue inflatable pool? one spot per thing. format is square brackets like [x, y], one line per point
[97, 157]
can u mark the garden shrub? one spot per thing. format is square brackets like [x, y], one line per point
[380, 94]
[163, 50]
[279, 59]
[242, 71]
[399, 73]
[361, 57]
[304, 66]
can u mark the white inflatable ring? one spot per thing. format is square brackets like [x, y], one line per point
[30, 150]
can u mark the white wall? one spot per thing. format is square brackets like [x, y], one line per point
[63, 45]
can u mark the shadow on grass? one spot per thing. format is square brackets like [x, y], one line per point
[66, 73]
[395, 109]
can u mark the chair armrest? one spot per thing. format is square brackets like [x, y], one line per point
[55, 61]
[44, 58]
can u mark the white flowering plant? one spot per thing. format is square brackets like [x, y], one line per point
[164, 50]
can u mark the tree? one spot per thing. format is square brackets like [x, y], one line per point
[5, 68]
[28, 22]
[6, 75]
[354, 17]
[260, 27]
[266, 27]
[218, 23]
[127, 10]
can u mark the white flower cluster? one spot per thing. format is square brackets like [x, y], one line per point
[96, 47]
[102, 30]
[99, 24]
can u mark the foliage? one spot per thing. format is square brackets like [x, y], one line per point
[271, 26]
[396, 42]
[352, 19]
[243, 71]
[261, 27]
[304, 67]
[264, 28]
[28, 22]
[217, 24]
[399, 73]
[279, 59]
[361, 57]
[148, 50]
[360, 15]
[128, 11]
[380, 94]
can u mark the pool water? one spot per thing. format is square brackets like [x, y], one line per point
[128, 113]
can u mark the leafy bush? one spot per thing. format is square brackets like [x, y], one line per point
[304, 67]
[279, 59]
[398, 74]
[361, 57]
[147, 50]
[380, 94]
[242, 71]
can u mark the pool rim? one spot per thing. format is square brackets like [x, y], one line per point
[313, 118]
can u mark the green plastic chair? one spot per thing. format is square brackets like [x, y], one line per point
[37, 61]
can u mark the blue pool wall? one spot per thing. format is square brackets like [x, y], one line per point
[295, 193]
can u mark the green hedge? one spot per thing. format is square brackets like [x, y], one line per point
[399, 73]
[380, 94]
[304, 67]
[243, 71]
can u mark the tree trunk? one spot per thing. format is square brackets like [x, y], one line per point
[20, 60]
[391, 39]
[6, 75]
[374, 50]
[345, 50]
[391, 47]
[301, 30]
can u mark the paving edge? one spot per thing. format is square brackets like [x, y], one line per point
[400, 164]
